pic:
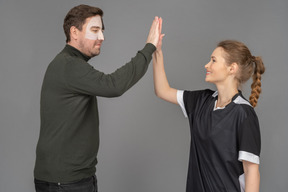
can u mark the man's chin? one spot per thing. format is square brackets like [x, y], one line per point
[96, 53]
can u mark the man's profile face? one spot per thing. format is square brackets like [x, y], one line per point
[91, 36]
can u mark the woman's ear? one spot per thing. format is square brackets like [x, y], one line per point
[233, 68]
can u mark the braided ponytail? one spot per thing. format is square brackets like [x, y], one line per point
[259, 69]
[237, 52]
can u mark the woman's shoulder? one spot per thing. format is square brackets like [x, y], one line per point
[244, 107]
[199, 96]
[200, 93]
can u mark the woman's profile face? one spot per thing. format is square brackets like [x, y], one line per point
[217, 70]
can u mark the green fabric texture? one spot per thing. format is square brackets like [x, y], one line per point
[69, 134]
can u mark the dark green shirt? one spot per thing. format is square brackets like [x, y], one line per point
[69, 134]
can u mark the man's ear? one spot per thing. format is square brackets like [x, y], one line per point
[74, 33]
[233, 68]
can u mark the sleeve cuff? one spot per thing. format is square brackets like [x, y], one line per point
[181, 101]
[243, 155]
[149, 49]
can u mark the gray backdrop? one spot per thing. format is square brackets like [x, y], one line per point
[144, 140]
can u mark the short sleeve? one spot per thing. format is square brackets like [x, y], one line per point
[189, 100]
[249, 138]
[181, 101]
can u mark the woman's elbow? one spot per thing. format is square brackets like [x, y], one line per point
[157, 93]
[161, 95]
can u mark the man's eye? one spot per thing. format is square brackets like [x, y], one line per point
[213, 61]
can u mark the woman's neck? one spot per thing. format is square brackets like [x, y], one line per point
[225, 94]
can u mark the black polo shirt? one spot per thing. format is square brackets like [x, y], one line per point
[220, 139]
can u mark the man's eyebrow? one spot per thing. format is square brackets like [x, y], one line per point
[97, 27]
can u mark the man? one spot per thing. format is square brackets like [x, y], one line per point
[66, 152]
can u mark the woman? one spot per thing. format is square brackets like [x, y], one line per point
[225, 134]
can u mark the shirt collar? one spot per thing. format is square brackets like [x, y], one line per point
[215, 94]
[73, 51]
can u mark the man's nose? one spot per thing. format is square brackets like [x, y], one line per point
[101, 36]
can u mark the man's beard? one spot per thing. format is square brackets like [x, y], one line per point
[96, 52]
[90, 53]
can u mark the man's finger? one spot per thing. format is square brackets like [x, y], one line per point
[154, 24]
[155, 21]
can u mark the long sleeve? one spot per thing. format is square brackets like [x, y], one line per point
[83, 78]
